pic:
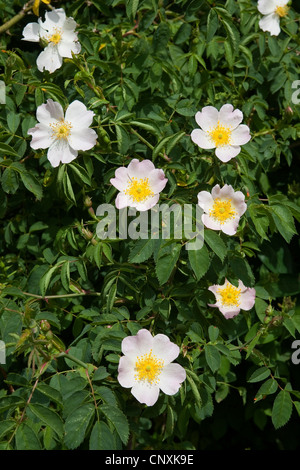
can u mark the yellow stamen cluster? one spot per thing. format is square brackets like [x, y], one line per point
[222, 210]
[220, 135]
[55, 37]
[230, 295]
[282, 11]
[139, 189]
[148, 368]
[61, 129]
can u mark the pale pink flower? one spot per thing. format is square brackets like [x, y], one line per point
[222, 208]
[230, 299]
[63, 134]
[221, 130]
[139, 185]
[147, 367]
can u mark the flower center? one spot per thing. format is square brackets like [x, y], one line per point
[220, 135]
[55, 37]
[61, 129]
[139, 189]
[148, 368]
[282, 11]
[230, 295]
[222, 210]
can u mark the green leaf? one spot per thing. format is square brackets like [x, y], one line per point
[194, 388]
[282, 409]
[32, 184]
[26, 438]
[6, 149]
[117, 418]
[102, 438]
[76, 425]
[166, 260]
[212, 24]
[200, 261]
[284, 221]
[48, 417]
[216, 243]
[259, 374]
[213, 357]
[267, 388]
[141, 251]
[10, 181]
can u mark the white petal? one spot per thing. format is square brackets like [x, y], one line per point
[164, 349]
[137, 345]
[49, 59]
[145, 393]
[78, 115]
[49, 112]
[126, 372]
[202, 139]
[54, 19]
[270, 23]
[121, 179]
[41, 137]
[239, 202]
[207, 117]
[171, 378]
[229, 312]
[231, 226]
[247, 299]
[265, 7]
[240, 135]
[229, 117]
[31, 32]
[65, 48]
[60, 151]
[148, 204]
[225, 192]
[211, 222]
[83, 139]
[122, 200]
[205, 200]
[227, 152]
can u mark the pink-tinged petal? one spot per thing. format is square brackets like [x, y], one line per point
[214, 288]
[137, 169]
[211, 222]
[229, 117]
[205, 200]
[265, 7]
[31, 32]
[84, 139]
[49, 59]
[239, 202]
[240, 135]
[137, 345]
[227, 152]
[145, 393]
[230, 227]
[230, 312]
[126, 372]
[157, 180]
[207, 118]
[171, 378]
[122, 200]
[41, 137]
[164, 349]
[78, 115]
[226, 192]
[148, 204]
[49, 112]
[121, 179]
[270, 23]
[248, 299]
[202, 139]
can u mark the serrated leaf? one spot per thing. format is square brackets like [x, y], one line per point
[141, 251]
[117, 418]
[76, 425]
[259, 374]
[212, 357]
[200, 261]
[216, 243]
[48, 417]
[102, 438]
[166, 261]
[282, 409]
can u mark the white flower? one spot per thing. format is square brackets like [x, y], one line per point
[146, 366]
[221, 130]
[230, 299]
[139, 185]
[58, 32]
[63, 135]
[272, 10]
[222, 208]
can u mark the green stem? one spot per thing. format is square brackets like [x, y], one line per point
[73, 358]
[16, 18]
[60, 296]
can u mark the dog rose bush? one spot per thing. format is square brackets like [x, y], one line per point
[110, 110]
